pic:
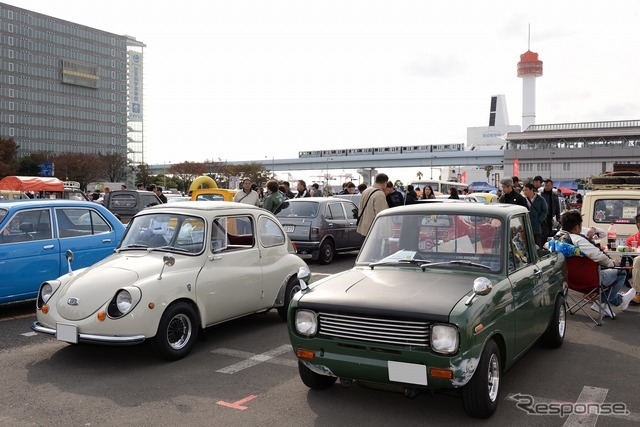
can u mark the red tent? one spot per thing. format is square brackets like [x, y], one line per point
[566, 191]
[31, 183]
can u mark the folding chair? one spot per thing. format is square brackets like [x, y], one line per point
[584, 278]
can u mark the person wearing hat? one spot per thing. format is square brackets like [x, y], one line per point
[510, 195]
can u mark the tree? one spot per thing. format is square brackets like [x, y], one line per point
[488, 170]
[143, 175]
[113, 166]
[254, 171]
[8, 157]
[187, 172]
[30, 165]
[419, 175]
[218, 171]
[81, 167]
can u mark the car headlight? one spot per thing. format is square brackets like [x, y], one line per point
[444, 339]
[123, 302]
[306, 322]
[45, 292]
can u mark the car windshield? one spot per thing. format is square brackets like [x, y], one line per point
[168, 232]
[3, 213]
[298, 209]
[434, 240]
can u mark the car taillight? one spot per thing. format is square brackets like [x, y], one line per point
[295, 247]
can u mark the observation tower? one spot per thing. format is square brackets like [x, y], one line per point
[529, 68]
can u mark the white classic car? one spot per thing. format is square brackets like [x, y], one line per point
[179, 268]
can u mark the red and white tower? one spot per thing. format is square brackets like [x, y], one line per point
[529, 68]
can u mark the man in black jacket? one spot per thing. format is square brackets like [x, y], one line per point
[554, 208]
[509, 195]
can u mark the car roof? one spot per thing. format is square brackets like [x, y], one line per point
[55, 202]
[494, 209]
[202, 205]
[323, 200]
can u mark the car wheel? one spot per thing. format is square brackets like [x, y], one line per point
[481, 394]
[177, 332]
[314, 381]
[327, 252]
[554, 335]
[293, 286]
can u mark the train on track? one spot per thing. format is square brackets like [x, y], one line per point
[435, 148]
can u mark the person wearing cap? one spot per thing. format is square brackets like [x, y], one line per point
[510, 196]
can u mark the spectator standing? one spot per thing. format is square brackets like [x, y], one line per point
[161, 196]
[510, 196]
[537, 212]
[107, 194]
[635, 275]
[609, 276]
[516, 184]
[247, 195]
[302, 190]
[394, 197]
[453, 193]
[411, 197]
[554, 207]
[274, 197]
[315, 190]
[361, 187]
[373, 201]
[287, 190]
[140, 186]
[427, 192]
[537, 182]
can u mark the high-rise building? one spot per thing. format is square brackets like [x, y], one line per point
[69, 88]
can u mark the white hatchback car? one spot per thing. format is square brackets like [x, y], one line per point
[179, 268]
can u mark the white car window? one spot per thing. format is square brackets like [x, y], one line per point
[270, 233]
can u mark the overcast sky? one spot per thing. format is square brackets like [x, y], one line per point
[252, 79]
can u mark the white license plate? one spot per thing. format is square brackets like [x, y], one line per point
[407, 373]
[289, 228]
[67, 333]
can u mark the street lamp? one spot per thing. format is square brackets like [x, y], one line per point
[551, 154]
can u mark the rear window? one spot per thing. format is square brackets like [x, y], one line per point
[298, 209]
[122, 201]
[618, 211]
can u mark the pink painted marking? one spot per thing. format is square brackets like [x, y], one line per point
[237, 404]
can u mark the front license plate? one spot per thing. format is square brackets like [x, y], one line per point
[289, 228]
[67, 333]
[407, 373]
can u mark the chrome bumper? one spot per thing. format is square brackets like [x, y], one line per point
[93, 339]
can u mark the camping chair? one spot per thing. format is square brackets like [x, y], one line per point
[584, 278]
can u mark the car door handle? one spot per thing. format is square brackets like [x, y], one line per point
[330, 224]
[48, 247]
[106, 240]
[537, 272]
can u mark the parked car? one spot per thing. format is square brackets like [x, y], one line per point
[126, 203]
[416, 315]
[485, 197]
[180, 267]
[321, 226]
[36, 233]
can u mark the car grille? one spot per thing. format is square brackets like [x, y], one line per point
[407, 333]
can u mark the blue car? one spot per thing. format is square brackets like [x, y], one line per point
[35, 235]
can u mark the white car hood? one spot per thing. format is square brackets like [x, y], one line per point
[92, 288]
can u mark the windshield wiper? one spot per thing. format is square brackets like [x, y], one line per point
[401, 262]
[454, 261]
[171, 248]
[134, 246]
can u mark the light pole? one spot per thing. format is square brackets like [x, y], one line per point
[551, 154]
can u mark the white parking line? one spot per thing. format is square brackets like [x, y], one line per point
[254, 359]
[29, 334]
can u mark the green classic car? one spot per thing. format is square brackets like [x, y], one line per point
[442, 296]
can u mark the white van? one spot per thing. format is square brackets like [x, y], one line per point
[615, 202]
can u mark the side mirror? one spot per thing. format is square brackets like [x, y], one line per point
[69, 255]
[168, 260]
[304, 275]
[481, 286]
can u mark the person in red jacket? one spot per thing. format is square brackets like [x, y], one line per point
[635, 273]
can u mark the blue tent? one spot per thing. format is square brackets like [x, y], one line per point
[482, 187]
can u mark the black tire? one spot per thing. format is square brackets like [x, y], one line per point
[327, 252]
[293, 286]
[553, 337]
[177, 332]
[481, 395]
[314, 381]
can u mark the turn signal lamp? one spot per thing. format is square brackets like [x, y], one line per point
[101, 316]
[152, 305]
[305, 354]
[45, 309]
[441, 373]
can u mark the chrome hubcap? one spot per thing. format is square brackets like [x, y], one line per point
[179, 331]
[494, 377]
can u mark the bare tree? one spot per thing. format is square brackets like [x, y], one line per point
[8, 157]
[113, 166]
